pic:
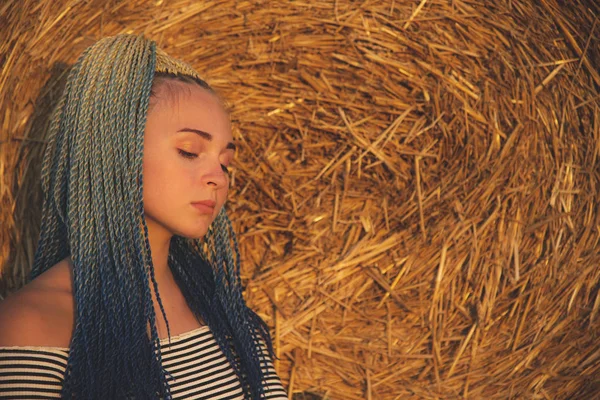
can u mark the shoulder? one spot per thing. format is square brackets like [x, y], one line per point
[40, 313]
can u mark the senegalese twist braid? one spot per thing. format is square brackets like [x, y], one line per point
[93, 211]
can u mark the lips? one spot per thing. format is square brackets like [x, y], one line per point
[205, 206]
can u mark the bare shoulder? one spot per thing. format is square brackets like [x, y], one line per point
[40, 313]
[22, 319]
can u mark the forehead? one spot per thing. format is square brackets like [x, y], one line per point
[165, 91]
[185, 104]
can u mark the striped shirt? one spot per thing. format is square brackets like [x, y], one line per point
[198, 368]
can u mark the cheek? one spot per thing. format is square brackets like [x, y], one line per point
[164, 179]
[154, 178]
[225, 192]
[169, 181]
[221, 199]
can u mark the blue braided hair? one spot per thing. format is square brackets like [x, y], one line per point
[93, 210]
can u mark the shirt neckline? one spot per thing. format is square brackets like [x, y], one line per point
[163, 342]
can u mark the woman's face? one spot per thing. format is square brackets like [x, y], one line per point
[187, 147]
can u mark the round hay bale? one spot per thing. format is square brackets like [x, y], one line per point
[416, 185]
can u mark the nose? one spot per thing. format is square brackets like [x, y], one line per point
[216, 177]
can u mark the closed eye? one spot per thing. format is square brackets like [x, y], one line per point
[185, 154]
[191, 156]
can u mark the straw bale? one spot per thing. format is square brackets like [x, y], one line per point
[415, 190]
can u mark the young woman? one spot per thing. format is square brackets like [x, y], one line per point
[136, 288]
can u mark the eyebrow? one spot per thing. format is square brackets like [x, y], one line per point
[206, 136]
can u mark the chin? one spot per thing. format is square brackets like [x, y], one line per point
[197, 233]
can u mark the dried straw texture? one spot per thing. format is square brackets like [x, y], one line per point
[417, 186]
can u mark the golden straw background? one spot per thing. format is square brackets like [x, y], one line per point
[416, 188]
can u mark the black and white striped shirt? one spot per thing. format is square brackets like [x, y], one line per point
[198, 367]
